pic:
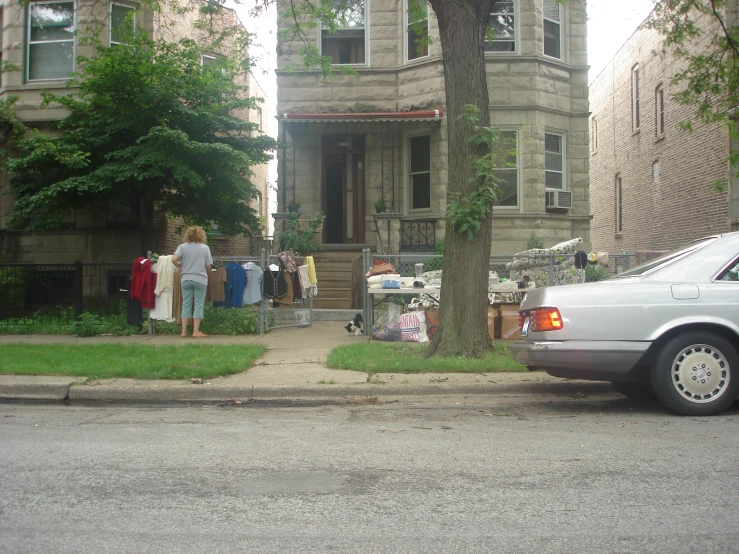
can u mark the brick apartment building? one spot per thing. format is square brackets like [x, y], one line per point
[110, 235]
[348, 140]
[650, 180]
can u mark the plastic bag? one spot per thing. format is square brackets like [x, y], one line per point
[390, 313]
[413, 327]
[387, 326]
[387, 332]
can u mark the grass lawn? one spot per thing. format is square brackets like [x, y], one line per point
[102, 361]
[404, 357]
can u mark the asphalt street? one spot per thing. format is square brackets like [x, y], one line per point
[443, 474]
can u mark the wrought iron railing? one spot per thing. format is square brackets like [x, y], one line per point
[417, 234]
[60, 293]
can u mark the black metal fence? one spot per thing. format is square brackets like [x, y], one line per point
[60, 293]
[417, 234]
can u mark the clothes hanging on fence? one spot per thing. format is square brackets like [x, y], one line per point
[288, 261]
[287, 298]
[177, 296]
[143, 282]
[297, 287]
[304, 279]
[274, 283]
[234, 289]
[311, 270]
[253, 288]
[217, 279]
[163, 305]
[134, 313]
[164, 268]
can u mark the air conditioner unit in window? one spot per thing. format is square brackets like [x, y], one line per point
[558, 199]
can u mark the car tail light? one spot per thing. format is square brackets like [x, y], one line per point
[543, 319]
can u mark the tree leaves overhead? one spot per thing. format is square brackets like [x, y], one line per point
[151, 125]
[704, 34]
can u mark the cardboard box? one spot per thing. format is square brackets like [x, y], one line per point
[492, 321]
[510, 329]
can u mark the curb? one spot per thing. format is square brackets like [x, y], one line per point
[73, 391]
[36, 388]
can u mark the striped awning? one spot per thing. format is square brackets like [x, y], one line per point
[362, 117]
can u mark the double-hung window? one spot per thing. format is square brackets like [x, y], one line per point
[619, 203]
[419, 172]
[50, 52]
[552, 29]
[416, 29]
[506, 171]
[347, 44]
[122, 21]
[502, 27]
[635, 107]
[593, 135]
[659, 111]
[554, 161]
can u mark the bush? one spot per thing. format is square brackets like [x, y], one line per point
[219, 321]
[302, 241]
[13, 281]
[534, 242]
[596, 273]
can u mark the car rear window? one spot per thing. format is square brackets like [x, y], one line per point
[667, 259]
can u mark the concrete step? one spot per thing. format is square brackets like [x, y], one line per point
[334, 282]
[334, 293]
[323, 267]
[338, 256]
[322, 303]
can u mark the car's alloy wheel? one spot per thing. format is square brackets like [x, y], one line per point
[700, 373]
[692, 374]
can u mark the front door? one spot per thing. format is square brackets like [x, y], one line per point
[343, 189]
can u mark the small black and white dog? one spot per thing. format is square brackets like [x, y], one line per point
[355, 325]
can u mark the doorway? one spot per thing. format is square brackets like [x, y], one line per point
[343, 189]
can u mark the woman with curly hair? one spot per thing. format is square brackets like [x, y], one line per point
[194, 257]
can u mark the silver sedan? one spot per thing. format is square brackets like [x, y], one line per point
[668, 328]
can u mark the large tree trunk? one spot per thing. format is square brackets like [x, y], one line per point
[463, 309]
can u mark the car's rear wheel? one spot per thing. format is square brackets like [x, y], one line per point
[693, 374]
[635, 391]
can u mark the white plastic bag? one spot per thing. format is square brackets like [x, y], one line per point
[413, 327]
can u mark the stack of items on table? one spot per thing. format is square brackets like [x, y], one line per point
[393, 324]
[287, 281]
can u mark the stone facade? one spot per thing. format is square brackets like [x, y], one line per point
[665, 173]
[89, 236]
[531, 93]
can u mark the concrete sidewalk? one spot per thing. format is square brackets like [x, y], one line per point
[292, 368]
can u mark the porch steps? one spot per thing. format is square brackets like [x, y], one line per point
[334, 273]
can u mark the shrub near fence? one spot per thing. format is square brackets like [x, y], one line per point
[58, 294]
